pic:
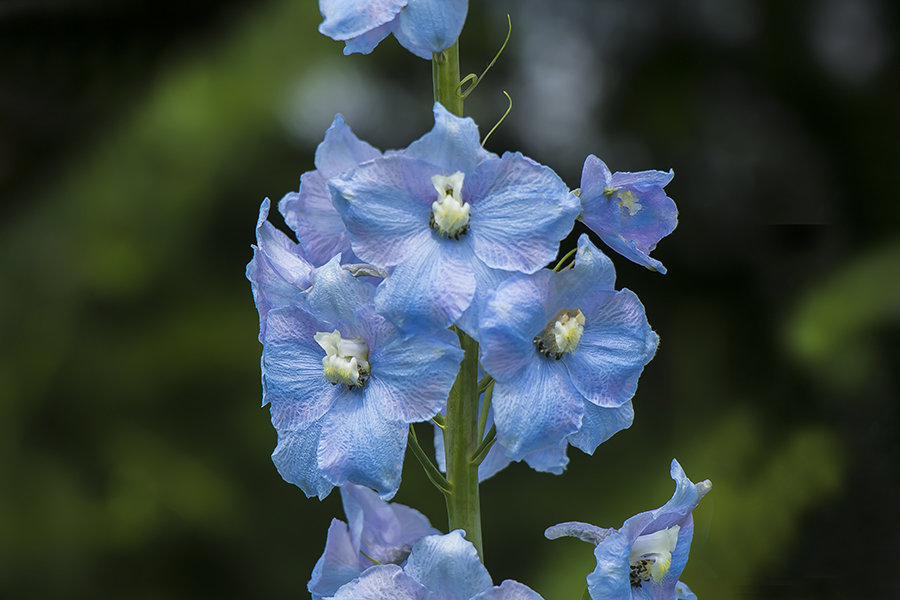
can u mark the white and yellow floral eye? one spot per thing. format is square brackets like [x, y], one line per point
[346, 360]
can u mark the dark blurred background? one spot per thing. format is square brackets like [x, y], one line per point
[138, 138]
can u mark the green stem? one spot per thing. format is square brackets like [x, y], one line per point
[445, 75]
[434, 475]
[460, 442]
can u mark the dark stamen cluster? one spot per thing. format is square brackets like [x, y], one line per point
[640, 571]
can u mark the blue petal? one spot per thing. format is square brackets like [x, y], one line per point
[412, 376]
[278, 273]
[337, 297]
[295, 459]
[295, 385]
[509, 590]
[599, 424]
[448, 565]
[536, 410]
[366, 42]
[428, 26]
[341, 150]
[549, 460]
[311, 215]
[383, 582]
[385, 532]
[520, 212]
[683, 592]
[509, 320]
[486, 281]
[431, 289]
[339, 563]
[576, 529]
[453, 145]
[386, 205]
[357, 445]
[346, 19]
[616, 344]
[610, 578]
[582, 285]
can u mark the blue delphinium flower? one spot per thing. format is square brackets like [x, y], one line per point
[344, 384]
[279, 272]
[374, 531]
[449, 218]
[421, 26]
[309, 212]
[440, 567]
[565, 350]
[645, 557]
[629, 211]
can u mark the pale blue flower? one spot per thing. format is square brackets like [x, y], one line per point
[374, 531]
[450, 220]
[344, 384]
[644, 558]
[309, 212]
[440, 567]
[565, 350]
[629, 211]
[421, 26]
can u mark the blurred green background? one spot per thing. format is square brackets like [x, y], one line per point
[138, 138]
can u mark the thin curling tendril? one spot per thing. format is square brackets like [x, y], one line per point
[476, 79]
[508, 108]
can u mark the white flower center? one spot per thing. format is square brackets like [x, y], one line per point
[449, 213]
[562, 333]
[346, 360]
[651, 555]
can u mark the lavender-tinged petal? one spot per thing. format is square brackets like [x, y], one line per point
[428, 26]
[386, 205]
[599, 424]
[685, 499]
[366, 42]
[610, 578]
[295, 459]
[536, 410]
[509, 590]
[509, 320]
[642, 179]
[358, 446]
[337, 297]
[683, 592]
[339, 563]
[549, 460]
[486, 281]
[581, 286]
[346, 19]
[453, 144]
[616, 344]
[295, 385]
[578, 530]
[595, 178]
[431, 289]
[448, 566]
[311, 215]
[384, 582]
[341, 150]
[412, 376]
[520, 212]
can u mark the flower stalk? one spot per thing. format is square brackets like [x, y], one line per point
[445, 77]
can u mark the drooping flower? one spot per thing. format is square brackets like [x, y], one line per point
[629, 211]
[344, 384]
[375, 531]
[309, 212]
[644, 558]
[421, 26]
[565, 350]
[440, 567]
[449, 218]
[279, 272]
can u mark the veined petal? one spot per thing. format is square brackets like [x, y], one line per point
[579, 286]
[364, 43]
[486, 281]
[453, 144]
[341, 150]
[360, 446]
[520, 212]
[642, 179]
[428, 26]
[509, 590]
[383, 582]
[599, 424]
[610, 578]
[412, 376]
[346, 19]
[448, 566]
[339, 563]
[385, 205]
[431, 289]
[576, 529]
[337, 297]
[295, 459]
[616, 344]
[536, 410]
[292, 368]
[311, 215]
[549, 460]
